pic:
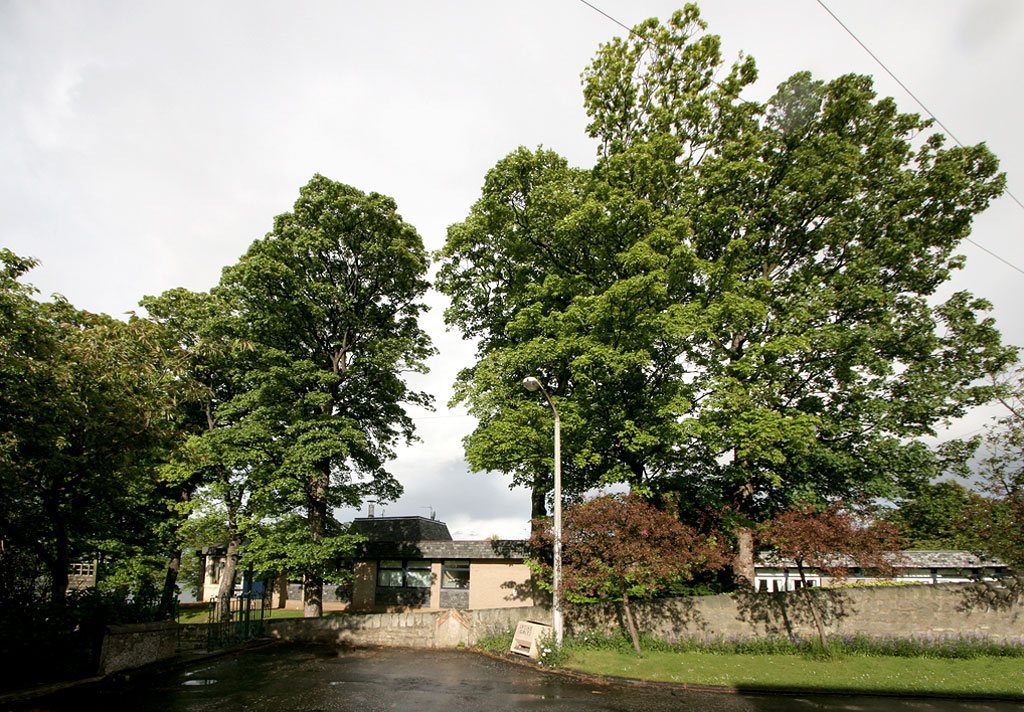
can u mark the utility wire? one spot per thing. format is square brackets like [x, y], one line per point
[927, 111]
[891, 74]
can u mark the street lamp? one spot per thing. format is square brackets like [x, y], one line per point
[533, 385]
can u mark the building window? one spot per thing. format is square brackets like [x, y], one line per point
[396, 573]
[390, 573]
[417, 574]
[83, 569]
[455, 573]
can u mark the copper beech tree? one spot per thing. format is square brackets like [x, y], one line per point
[830, 540]
[619, 546]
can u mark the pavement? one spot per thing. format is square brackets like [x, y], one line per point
[321, 678]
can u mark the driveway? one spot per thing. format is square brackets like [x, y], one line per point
[321, 678]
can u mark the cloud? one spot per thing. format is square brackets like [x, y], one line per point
[148, 144]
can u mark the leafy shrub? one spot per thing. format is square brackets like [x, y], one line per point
[497, 639]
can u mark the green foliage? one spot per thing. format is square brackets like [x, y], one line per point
[286, 545]
[85, 420]
[497, 639]
[938, 516]
[296, 362]
[737, 304]
[329, 300]
[550, 654]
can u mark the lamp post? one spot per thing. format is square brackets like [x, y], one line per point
[532, 384]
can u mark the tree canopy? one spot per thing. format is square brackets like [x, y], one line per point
[328, 303]
[84, 420]
[738, 302]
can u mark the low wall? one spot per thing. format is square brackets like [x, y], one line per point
[131, 646]
[413, 629]
[900, 611]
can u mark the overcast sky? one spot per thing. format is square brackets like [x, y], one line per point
[146, 144]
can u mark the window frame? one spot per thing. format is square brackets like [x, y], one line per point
[402, 570]
[450, 566]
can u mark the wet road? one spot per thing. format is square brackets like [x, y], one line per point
[308, 679]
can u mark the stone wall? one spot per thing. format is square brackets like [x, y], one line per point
[413, 629]
[900, 611]
[920, 610]
[131, 646]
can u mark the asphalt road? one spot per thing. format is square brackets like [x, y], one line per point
[320, 678]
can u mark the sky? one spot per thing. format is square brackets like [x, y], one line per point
[146, 145]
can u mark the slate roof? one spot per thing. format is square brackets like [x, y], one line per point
[402, 529]
[948, 559]
[491, 549]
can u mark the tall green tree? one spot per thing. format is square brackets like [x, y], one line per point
[83, 427]
[329, 301]
[763, 326]
[196, 327]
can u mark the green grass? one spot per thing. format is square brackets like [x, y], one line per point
[202, 615]
[996, 676]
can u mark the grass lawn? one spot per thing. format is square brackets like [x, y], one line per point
[202, 615]
[1003, 677]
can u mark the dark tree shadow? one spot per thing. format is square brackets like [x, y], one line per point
[666, 618]
[1002, 594]
[521, 590]
[788, 613]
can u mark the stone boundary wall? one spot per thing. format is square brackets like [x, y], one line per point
[135, 645]
[412, 629]
[983, 610]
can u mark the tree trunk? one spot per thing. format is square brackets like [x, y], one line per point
[316, 505]
[743, 564]
[813, 606]
[170, 585]
[538, 504]
[59, 563]
[282, 589]
[227, 577]
[174, 565]
[312, 596]
[630, 625]
[59, 579]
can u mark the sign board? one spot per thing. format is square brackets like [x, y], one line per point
[528, 635]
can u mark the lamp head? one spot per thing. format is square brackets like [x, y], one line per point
[531, 384]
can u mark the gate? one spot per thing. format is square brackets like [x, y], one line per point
[235, 620]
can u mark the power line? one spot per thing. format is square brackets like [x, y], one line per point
[927, 111]
[891, 74]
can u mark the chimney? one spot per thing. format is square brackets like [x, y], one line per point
[369, 509]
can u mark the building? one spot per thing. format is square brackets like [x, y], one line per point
[410, 563]
[777, 574]
[82, 575]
